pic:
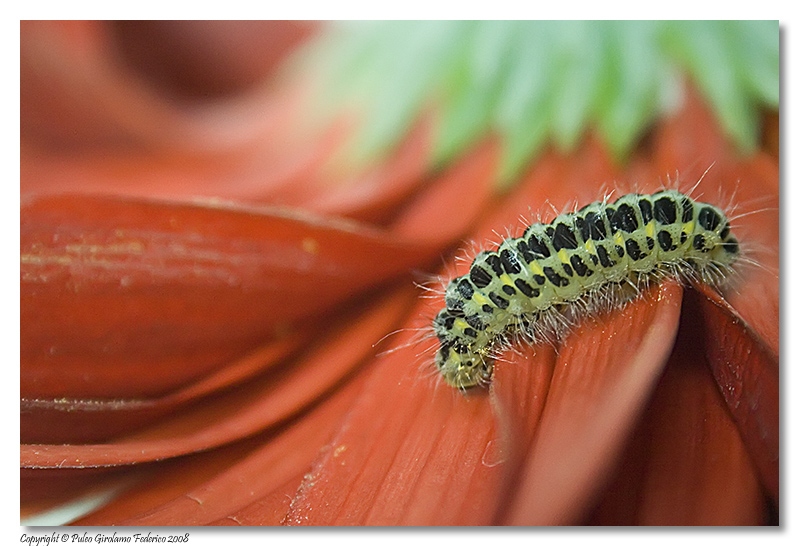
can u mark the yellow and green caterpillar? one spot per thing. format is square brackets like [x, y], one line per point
[525, 285]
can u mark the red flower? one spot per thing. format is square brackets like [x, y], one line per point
[216, 362]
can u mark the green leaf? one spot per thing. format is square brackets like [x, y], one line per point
[634, 78]
[472, 95]
[579, 60]
[523, 110]
[756, 50]
[405, 78]
[536, 82]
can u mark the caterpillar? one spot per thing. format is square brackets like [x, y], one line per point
[530, 285]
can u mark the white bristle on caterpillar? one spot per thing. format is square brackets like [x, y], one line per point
[536, 285]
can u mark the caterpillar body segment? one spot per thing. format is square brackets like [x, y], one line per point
[562, 267]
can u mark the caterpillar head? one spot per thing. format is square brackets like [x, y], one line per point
[463, 370]
[463, 361]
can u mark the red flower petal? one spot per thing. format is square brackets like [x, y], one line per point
[204, 59]
[686, 463]
[519, 393]
[92, 420]
[152, 286]
[79, 90]
[600, 383]
[233, 415]
[224, 490]
[747, 374]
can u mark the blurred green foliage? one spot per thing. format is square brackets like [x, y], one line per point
[533, 82]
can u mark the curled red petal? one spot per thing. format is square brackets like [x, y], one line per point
[118, 295]
[205, 59]
[686, 463]
[747, 374]
[78, 92]
[91, 420]
[522, 379]
[236, 414]
[601, 382]
[256, 476]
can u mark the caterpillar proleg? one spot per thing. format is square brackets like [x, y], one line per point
[529, 285]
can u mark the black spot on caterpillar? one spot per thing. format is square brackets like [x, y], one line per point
[530, 285]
